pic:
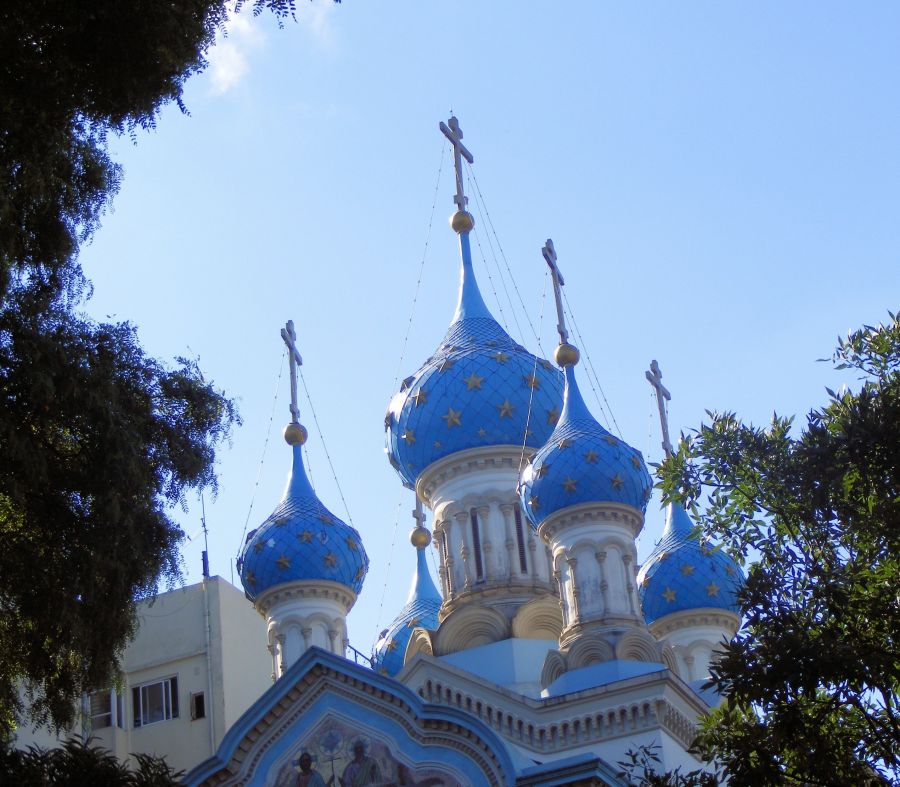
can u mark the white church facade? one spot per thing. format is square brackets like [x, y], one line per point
[544, 653]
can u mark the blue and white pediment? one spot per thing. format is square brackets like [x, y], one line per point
[329, 718]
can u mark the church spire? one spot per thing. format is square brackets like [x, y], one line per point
[470, 303]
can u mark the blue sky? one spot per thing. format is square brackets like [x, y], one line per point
[721, 181]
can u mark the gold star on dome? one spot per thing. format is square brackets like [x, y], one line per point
[281, 521]
[447, 363]
[360, 573]
[330, 560]
[705, 549]
[591, 456]
[506, 409]
[351, 542]
[712, 589]
[546, 364]
[636, 462]
[305, 536]
[542, 470]
[413, 623]
[534, 503]
[564, 443]
[437, 443]
[420, 397]
[617, 482]
[473, 382]
[729, 570]
[452, 418]
[611, 440]
[326, 518]
[669, 595]
[258, 547]
[251, 578]
[532, 381]
[482, 433]
[569, 484]
[552, 416]
[392, 645]
[284, 563]
[500, 357]
[409, 435]
[687, 569]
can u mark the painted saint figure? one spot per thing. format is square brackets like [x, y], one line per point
[308, 777]
[361, 770]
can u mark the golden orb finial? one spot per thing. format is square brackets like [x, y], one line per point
[295, 434]
[566, 355]
[420, 537]
[462, 221]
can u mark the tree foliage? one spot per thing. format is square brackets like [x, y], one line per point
[77, 764]
[71, 73]
[96, 439]
[812, 679]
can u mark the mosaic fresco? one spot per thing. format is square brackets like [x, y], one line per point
[336, 755]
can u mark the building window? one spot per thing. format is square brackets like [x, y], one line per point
[198, 706]
[476, 545]
[155, 702]
[521, 539]
[107, 710]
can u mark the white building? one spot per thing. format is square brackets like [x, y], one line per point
[194, 666]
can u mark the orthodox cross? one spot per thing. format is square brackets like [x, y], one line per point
[453, 132]
[558, 282]
[654, 377]
[294, 360]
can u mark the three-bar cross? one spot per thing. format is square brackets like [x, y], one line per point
[454, 133]
[654, 377]
[558, 282]
[294, 360]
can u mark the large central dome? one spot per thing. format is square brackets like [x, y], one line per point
[479, 388]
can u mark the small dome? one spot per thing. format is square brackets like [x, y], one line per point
[301, 540]
[685, 572]
[582, 463]
[421, 611]
[480, 388]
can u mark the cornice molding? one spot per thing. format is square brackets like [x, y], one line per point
[309, 588]
[470, 461]
[555, 725]
[696, 618]
[586, 513]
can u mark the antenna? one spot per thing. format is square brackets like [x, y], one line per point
[205, 538]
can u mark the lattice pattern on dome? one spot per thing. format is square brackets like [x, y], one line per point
[302, 540]
[582, 463]
[476, 331]
[685, 572]
[476, 390]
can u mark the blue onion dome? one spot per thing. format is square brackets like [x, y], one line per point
[582, 463]
[479, 388]
[686, 572]
[421, 611]
[301, 540]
